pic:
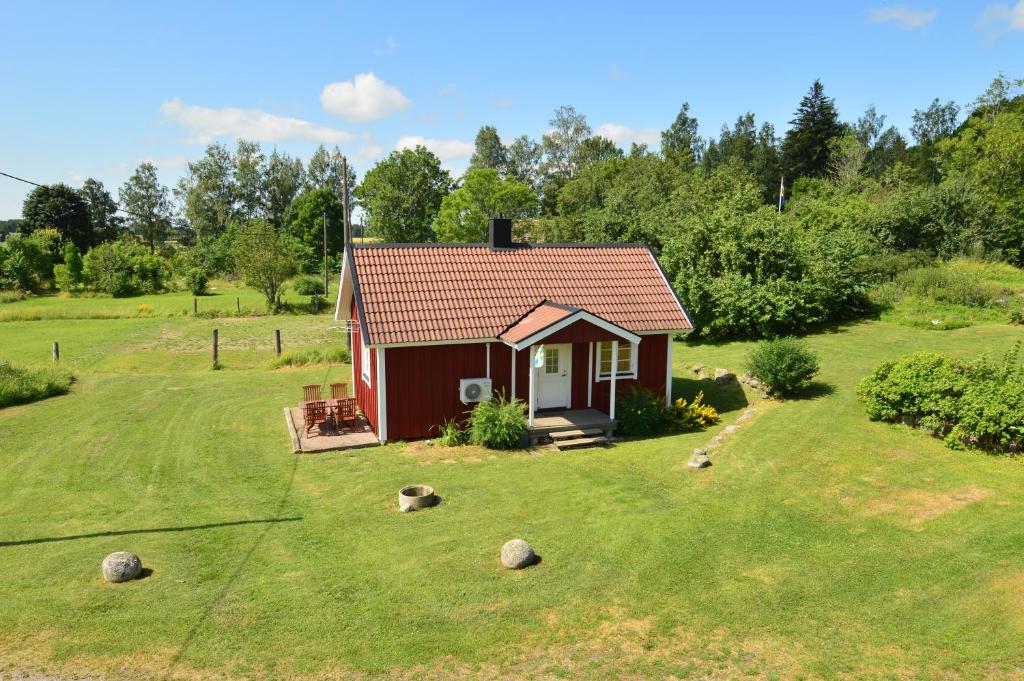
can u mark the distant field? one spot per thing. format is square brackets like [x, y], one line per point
[818, 544]
[225, 298]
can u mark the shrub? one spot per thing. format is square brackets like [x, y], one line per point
[686, 417]
[196, 280]
[68, 276]
[12, 296]
[451, 433]
[971, 404]
[498, 423]
[20, 385]
[124, 268]
[785, 365]
[312, 356]
[1017, 317]
[313, 287]
[641, 413]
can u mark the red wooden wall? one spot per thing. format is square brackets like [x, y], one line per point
[366, 395]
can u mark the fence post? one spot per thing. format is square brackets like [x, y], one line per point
[195, 307]
[238, 305]
[56, 351]
[215, 335]
[277, 342]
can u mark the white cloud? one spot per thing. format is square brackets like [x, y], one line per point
[445, 150]
[624, 135]
[203, 125]
[998, 20]
[390, 45]
[502, 103]
[364, 98]
[907, 18]
[367, 154]
[449, 89]
[168, 163]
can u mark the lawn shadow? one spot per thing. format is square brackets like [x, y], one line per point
[815, 390]
[724, 397]
[144, 573]
[149, 530]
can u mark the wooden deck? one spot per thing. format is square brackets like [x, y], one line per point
[545, 423]
[361, 436]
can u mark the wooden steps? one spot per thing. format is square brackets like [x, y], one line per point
[579, 438]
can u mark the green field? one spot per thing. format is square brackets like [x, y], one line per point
[818, 544]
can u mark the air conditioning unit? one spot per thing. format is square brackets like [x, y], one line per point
[474, 390]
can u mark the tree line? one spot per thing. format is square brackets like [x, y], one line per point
[859, 197]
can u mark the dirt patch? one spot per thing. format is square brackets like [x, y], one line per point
[914, 508]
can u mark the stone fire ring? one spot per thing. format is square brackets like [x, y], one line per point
[415, 497]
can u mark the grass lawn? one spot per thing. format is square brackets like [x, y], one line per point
[817, 545]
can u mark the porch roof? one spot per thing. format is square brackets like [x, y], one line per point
[547, 318]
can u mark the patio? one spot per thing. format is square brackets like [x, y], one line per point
[360, 435]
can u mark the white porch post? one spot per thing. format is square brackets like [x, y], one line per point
[488, 360]
[668, 370]
[513, 396]
[382, 397]
[615, 373]
[533, 389]
[590, 375]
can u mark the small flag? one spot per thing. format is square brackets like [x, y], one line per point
[782, 191]
[538, 358]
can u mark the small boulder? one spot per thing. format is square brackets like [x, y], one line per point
[121, 566]
[724, 376]
[745, 378]
[697, 368]
[699, 460]
[517, 554]
[730, 429]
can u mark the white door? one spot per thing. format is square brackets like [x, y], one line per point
[554, 379]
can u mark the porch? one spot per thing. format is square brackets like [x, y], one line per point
[358, 435]
[547, 423]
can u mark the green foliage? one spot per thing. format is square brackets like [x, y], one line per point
[805, 149]
[484, 194]
[148, 205]
[304, 221]
[308, 356]
[488, 151]
[12, 296]
[62, 208]
[68, 275]
[402, 195]
[21, 385]
[313, 287]
[641, 413]
[785, 365]
[452, 434]
[972, 404]
[498, 423]
[196, 280]
[25, 263]
[265, 259]
[124, 268]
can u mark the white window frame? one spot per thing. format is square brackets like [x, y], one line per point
[364, 361]
[631, 374]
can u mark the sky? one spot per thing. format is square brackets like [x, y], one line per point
[91, 89]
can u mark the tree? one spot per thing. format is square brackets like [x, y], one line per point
[489, 152]
[805, 149]
[106, 223]
[265, 259]
[846, 157]
[208, 193]
[756, 149]
[681, 143]
[402, 194]
[148, 205]
[325, 170]
[561, 146]
[523, 161]
[597, 149]
[283, 180]
[62, 208]
[464, 213]
[304, 221]
[931, 125]
[250, 181]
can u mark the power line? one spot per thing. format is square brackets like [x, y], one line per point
[116, 204]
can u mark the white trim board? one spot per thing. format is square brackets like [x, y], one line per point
[579, 315]
[382, 398]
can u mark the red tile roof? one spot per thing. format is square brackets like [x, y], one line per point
[416, 294]
[540, 317]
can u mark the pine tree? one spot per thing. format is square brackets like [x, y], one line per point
[489, 152]
[805, 150]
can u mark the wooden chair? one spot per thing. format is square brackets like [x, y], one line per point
[346, 412]
[312, 393]
[339, 391]
[313, 414]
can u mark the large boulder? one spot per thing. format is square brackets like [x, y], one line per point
[517, 554]
[121, 566]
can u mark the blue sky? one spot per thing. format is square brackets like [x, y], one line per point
[91, 89]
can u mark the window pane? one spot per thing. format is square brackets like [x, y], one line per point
[605, 352]
[551, 361]
[625, 358]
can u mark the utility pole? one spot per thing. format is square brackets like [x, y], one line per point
[344, 192]
[327, 281]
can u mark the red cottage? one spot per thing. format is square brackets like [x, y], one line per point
[436, 327]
